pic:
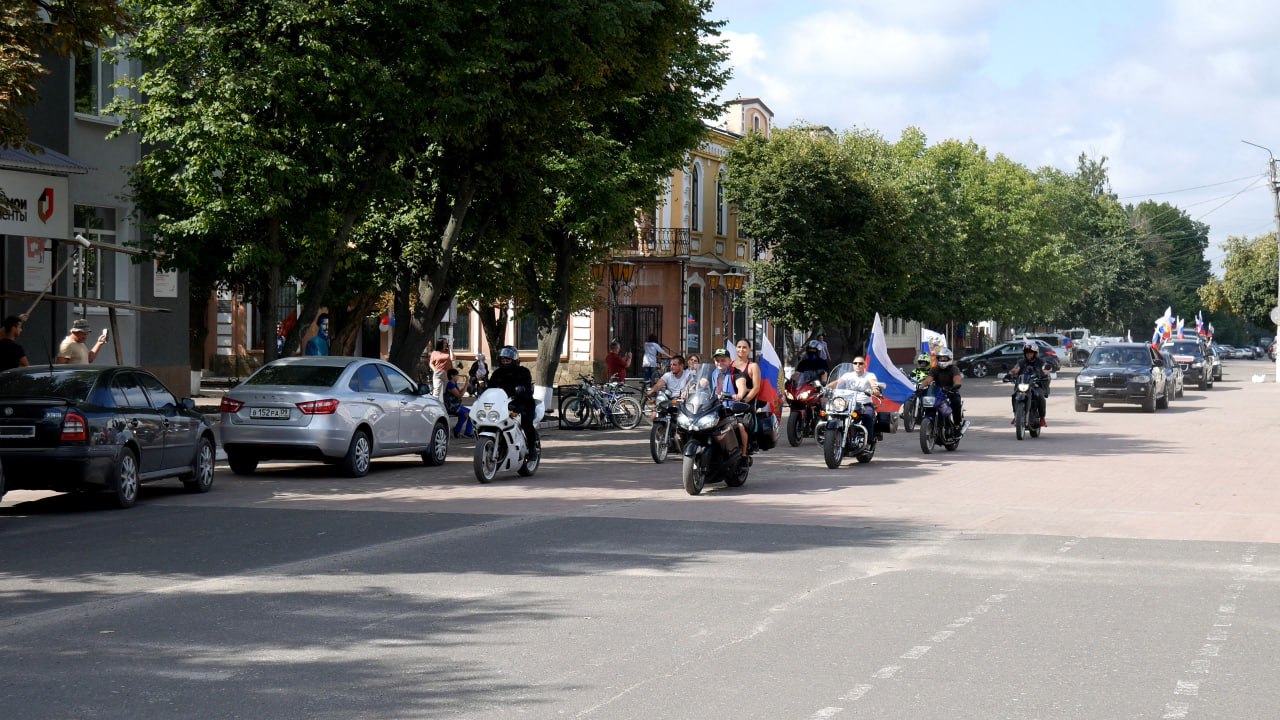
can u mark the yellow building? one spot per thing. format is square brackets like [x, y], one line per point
[688, 264]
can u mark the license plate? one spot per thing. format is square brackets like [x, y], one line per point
[18, 431]
[276, 413]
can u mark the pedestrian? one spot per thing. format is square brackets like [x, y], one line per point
[823, 351]
[319, 343]
[653, 352]
[74, 351]
[441, 362]
[11, 353]
[615, 363]
[453, 405]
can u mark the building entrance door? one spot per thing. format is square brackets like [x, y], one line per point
[635, 323]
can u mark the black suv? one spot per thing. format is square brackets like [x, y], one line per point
[1131, 373]
[1195, 359]
[1004, 356]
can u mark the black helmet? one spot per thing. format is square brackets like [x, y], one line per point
[509, 352]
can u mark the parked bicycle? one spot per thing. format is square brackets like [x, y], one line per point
[608, 403]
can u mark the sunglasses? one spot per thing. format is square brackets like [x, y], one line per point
[858, 363]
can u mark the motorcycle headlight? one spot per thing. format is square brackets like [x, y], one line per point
[1141, 379]
[840, 405]
[1023, 387]
[928, 400]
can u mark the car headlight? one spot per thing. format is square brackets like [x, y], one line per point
[1141, 379]
[840, 405]
[1085, 380]
[1197, 364]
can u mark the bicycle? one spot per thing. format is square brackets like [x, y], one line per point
[606, 403]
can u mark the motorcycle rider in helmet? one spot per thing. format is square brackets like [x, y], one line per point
[921, 370]
[517, 382]
[812, 362]
[1031, 362]
[948, 378]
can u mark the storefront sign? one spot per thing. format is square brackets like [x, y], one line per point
[34, 205]
[166, 281]
[36, 263]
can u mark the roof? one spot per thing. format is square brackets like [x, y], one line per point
[757, 101]
[48, 161]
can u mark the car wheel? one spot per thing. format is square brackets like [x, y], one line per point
[1082, 406]
[1163, 402]
[241, 462]
[979, 370]
[125, 491]
[1149, 404]
[356, 462]
[201, 478]
[438, 449]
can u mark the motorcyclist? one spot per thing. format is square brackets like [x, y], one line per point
[948, 378]
[1031, 363]
[728, 381]
[921, 370]
[864, 381]
[812, 362]
[517, 382]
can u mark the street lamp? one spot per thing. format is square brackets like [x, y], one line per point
[733, 284]
[1275, 194]
[621, 276]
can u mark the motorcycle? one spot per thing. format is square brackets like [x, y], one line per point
[1026, 403]
[663, 437]
[804, 398]
[911, 410]
[843, 431]
[500, 442]
[708, 432]
[937, 422]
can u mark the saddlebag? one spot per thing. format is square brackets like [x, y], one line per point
[886, 422]
[765, 432]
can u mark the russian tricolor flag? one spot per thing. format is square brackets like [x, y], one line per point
[770, 376]
[897, 388]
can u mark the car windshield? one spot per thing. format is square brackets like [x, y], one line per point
[302, 375]
[1183, 347]
[71, 385]
[1119, 356]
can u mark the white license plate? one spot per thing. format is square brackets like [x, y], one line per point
[277, 413]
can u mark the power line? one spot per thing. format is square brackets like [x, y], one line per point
[1198, 187]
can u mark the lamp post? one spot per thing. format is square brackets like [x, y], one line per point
[620, 274]
[733, 282]
[1275, 195]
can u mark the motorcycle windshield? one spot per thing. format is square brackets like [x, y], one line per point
[844, 381]
[700, 394]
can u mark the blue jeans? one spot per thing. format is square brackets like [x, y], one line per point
[649, 372]
[464, 426]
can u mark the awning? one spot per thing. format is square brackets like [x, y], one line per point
[49, 161]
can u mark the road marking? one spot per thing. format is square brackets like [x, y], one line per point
[885, 673]
[856, 693]
[916, 652]
[1175, 711]
[827, 712]
[942, 636]
[1187, 688]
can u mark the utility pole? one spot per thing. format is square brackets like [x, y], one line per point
[1275, 195]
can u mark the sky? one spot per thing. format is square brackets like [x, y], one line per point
[1165, 90]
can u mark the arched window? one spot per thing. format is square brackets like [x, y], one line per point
[695, 188]
[755, 123]
[721, 216]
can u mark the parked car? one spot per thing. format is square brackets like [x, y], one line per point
[1004, 356]
[1173, 375]
[1132, 373]
[82, 428]
[340, 410]
[1271, 351]
[1060, 343]
[1216, 356]
[1195, 358]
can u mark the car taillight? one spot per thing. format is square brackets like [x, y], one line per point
[229, 405]
[74, 428]
[318, 407]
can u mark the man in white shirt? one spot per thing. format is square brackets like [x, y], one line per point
[864, 381]
[674, 381]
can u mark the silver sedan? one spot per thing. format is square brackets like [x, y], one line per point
[340, 410]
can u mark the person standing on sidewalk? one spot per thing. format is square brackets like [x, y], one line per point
[11, 353]
[74, 351]
[441, 362]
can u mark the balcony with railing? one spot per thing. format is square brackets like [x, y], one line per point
[656, 242]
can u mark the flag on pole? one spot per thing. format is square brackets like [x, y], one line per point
[897, 388]
[931, 342]
[1128, 336]
[1200, 322]
[1180, 328]
[770, 376]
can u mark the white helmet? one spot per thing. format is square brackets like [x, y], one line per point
[509, 352]
[1030, 345]
[944, 358]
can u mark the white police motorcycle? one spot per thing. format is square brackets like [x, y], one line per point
[500, 443]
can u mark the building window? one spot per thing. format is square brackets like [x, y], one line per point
[462, 330]
[94, 270]
[755, 123]
[721, 216]
[693, 322]
[95, 75]
[695, 189]
[739, 323]
[527, 333]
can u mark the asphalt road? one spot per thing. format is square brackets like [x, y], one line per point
[1123, 565]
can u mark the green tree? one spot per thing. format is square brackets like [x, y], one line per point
[31, 31]
[1248, 284]
[1175, 267]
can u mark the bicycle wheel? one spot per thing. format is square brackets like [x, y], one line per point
[574, 413]
[626, 413]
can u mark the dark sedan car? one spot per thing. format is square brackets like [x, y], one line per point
[1004, 356]
[78, 427]
[1131, 373]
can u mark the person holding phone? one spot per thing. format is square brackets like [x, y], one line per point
[74, 351]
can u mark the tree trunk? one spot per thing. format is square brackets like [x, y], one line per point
[550, 341]
[347, 323]
[494, 322]
[198, 323]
